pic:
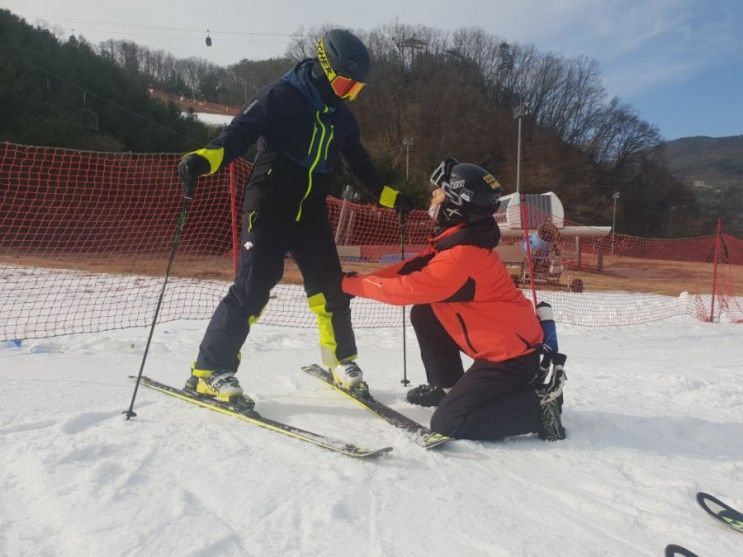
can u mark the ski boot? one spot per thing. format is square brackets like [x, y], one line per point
[426, 395]
[222, 386]
[549, 392]
[540, 378]
[549, 387]
[348, 376]
[551, 428]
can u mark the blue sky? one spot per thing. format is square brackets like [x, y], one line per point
[679, 63]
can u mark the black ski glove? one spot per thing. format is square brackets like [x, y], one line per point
[349, 274]
[189, 169]
[403, 203]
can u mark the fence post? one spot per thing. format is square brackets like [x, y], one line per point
[530, 262]
[718, 237]
[341, 218]
[349, 227]
[233, 213]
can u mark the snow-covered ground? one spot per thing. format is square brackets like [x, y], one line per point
[654, 413]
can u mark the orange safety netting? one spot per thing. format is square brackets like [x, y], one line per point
[84, 240]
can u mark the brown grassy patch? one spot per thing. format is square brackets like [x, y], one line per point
[620, 273]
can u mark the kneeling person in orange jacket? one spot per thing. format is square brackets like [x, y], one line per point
[464, 300]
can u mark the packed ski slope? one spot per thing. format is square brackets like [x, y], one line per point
[654, 414]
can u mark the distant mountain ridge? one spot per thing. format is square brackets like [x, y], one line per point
[716, 160]
[714, 167]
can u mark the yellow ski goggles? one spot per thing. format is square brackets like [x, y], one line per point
[344, 87]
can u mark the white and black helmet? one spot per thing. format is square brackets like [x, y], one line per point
[471, 192]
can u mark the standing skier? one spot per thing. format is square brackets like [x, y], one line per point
[545, 250]
[302, 128]
[465, 301]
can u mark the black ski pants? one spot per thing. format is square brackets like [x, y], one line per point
[492, 400]
[266, 241]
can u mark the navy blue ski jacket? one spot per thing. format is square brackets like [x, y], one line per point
[300, 140]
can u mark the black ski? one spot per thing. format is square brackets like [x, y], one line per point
[672, 550]
[255, 418]
[720, 511]
[421, 434]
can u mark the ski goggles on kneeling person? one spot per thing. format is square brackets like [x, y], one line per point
[441, 175]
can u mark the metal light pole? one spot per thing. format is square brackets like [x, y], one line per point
[615, 196]
[518, 113]
[408, 142]
[413, 43]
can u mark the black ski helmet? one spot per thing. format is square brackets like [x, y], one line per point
[345, 54]
[471, 193]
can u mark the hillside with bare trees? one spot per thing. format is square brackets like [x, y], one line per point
[451, 93]
[713, 168]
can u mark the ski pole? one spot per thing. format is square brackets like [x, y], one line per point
[174, 248]
[402, 216]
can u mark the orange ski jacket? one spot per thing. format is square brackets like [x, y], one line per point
[469, 289]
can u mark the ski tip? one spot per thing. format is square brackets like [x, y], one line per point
[705, 498]
[672, 550]
[721, 511]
